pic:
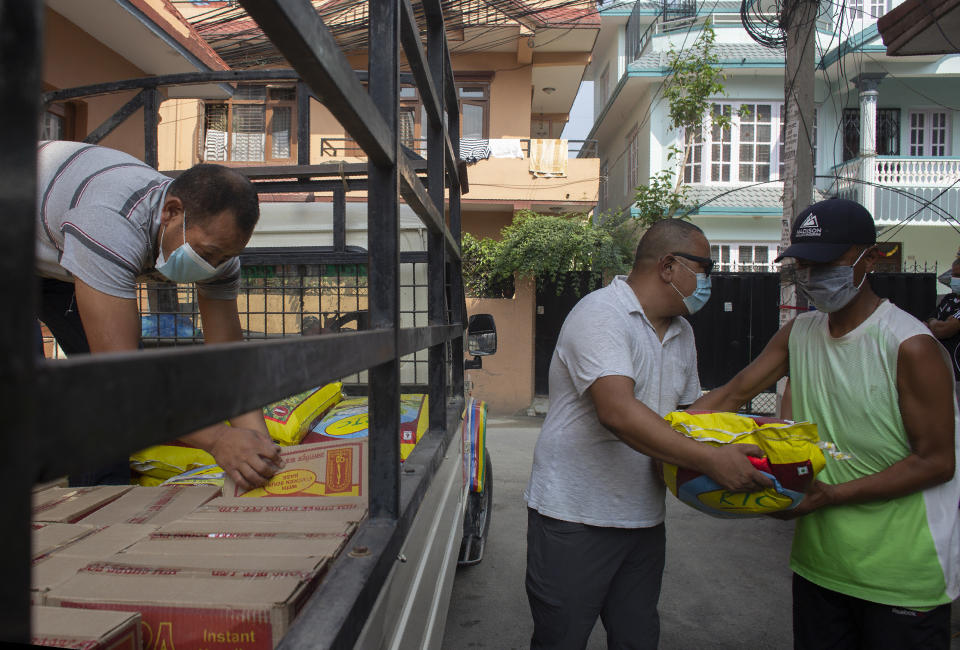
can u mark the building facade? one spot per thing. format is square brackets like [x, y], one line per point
[517, 72]
[885, 130]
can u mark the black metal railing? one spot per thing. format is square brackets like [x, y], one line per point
[154, 395]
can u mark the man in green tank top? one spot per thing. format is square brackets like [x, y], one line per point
[876, 550]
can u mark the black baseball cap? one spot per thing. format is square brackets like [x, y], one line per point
[824, 231]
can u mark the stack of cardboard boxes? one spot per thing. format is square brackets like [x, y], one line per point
[198, 569]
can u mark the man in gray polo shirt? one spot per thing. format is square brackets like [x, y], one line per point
[105, 221]
[624, 358]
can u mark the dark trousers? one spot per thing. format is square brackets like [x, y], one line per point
[827, 620]
[58, 311]
[577, 572]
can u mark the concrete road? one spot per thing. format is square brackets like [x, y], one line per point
[726, 584]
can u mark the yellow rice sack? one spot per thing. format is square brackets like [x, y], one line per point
[793, 459]
[289, 420]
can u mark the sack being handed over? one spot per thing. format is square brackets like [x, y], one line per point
[793, 459]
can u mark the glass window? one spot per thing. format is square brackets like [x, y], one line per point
[53, 127]
[929, 133]
[256, 125]
[755, 142]
[721, 149]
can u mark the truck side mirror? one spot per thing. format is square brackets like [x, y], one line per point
[481, 339]
[481, 335]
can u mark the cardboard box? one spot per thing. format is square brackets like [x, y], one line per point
[60, 550]
[47, 538]
[61, 482]
[86, 629]
[320, 544]
[197, 607]
[239, 528]
[337, 469]
[153, 505]
[280, 510]
[303, 564]
[69, 505]
[48, 571]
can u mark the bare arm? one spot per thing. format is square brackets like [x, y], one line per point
[925, 385]
[772, 364]
[111, 324]
[645, 431]
[244, 450]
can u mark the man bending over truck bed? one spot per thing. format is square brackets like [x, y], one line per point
[106, 220]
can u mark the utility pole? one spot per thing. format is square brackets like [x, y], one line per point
[799, 25]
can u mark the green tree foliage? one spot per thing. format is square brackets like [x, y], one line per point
[695, 77]
[547, 248]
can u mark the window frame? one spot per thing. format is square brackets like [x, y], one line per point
[632, 168]
[733, 250]
[928, 130]
[727, 152]
[269, 106]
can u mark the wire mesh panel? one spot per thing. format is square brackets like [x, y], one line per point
[282, 300]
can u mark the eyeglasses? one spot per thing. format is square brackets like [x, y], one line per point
[705, 262]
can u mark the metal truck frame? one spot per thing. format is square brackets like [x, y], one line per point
[391, 585]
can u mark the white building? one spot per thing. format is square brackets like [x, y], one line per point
[886, 130]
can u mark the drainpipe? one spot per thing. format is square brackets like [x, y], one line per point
[867, 83]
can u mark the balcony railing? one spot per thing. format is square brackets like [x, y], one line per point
[916, 171]
[346, 147]
[923, 190]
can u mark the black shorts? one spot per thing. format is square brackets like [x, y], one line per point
[824, 619]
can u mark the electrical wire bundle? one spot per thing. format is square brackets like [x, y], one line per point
[242, 44]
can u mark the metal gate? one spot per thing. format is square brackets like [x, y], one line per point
[552, 310]
[735, 325]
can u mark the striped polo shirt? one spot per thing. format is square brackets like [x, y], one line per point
[98, 219]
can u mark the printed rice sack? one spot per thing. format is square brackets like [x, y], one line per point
[206, 475]
[351, 419]
[166, 461]
[793, 452]
[288, 421]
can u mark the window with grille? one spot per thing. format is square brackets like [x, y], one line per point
[887, 132]
[929, 133]
[256, 125]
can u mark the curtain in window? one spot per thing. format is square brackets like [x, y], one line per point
[280, 128]
[249, 129]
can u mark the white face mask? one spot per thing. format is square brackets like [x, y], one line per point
[184, 263]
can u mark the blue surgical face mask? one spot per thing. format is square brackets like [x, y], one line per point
[829, 288]
[955, 285]
[696, 300]
[184, 263]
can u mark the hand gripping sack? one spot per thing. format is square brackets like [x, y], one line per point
[793, 459]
